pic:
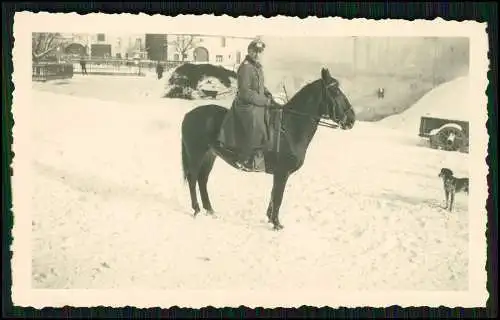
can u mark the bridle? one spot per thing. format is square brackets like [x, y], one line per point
[319, 119]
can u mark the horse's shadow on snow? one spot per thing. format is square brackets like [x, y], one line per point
[102, 188]
[106, 190]
[227, 219]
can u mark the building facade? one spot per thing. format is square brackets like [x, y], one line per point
[103, 45]
[218, 50]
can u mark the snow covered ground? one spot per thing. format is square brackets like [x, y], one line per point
[110, 209]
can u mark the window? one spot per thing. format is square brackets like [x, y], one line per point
[238, 57]
[176, 57]
[218, 58]
[223, 42]
[101, 37]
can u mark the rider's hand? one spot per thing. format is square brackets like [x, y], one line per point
[274, 105]
[270, 102]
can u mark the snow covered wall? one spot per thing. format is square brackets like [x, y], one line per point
[450, 100]
[406, 68]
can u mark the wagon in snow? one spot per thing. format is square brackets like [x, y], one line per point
[445, 134]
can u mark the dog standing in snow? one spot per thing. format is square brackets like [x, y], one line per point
[452, 185]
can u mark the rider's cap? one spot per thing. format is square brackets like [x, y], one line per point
[257, 45]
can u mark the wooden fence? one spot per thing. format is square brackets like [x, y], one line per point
[43, 71]
[51, 71]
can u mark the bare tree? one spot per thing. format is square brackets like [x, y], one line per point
[42, 44]
[183, 43]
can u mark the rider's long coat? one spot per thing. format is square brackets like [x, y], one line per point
[245, 126]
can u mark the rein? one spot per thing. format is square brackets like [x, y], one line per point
[313, 118]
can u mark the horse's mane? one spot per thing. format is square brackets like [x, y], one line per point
[299, 98]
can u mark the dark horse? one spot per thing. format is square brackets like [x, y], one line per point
[296, 126]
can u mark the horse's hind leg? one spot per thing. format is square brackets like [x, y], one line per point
[197, 163]
[206, 168]
[192, 191]
[190, 174]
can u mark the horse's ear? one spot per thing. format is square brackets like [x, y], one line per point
[325, 74]
[327, 71]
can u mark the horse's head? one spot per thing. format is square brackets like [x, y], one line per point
[336, 106]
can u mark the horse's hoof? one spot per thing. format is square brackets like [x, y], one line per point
[278, 227]
[269, 217]
[212, 214]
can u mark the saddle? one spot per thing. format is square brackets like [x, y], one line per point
[262, 158]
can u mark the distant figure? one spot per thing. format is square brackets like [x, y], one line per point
[381, 93]
[83, 66]
[159, 70]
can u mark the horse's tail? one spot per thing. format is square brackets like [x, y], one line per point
[184, 162]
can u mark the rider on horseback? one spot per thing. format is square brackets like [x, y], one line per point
[249, 106]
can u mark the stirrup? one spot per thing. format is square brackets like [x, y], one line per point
[239, 165]
[248, 165]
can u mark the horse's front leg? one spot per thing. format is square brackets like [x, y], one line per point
[279, 183]
[269, 212]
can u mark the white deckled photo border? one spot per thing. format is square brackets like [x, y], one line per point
[26, 22]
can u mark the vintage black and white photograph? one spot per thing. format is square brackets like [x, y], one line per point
[248, 161]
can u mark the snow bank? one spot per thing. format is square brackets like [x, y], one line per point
[449, 101]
